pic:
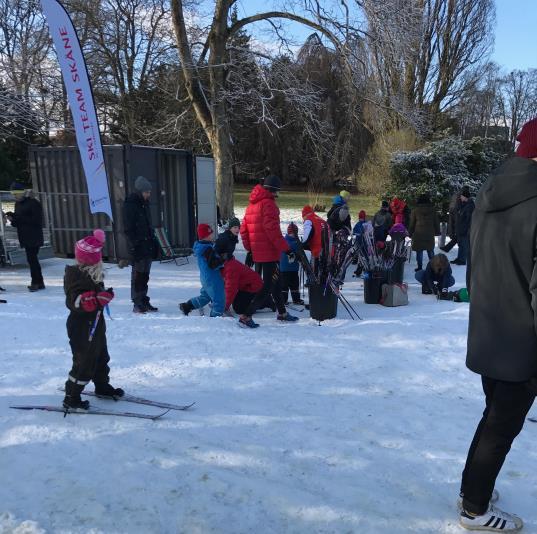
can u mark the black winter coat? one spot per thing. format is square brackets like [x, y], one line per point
[464, 218]
[138, 227]
[28, 220]
[80, 322]
[225, 244]
[335, 215]
[502, 333]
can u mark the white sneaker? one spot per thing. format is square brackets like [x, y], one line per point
[495, 496]
[493, 520]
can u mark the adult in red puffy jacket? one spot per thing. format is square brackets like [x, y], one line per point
[262, 237]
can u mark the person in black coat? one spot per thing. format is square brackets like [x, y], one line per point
[28, 220]
[228, 240]
[142, 246]
[86, 298]
[463, 224]
[502, 331]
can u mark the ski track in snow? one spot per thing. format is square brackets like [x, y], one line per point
[348, 427]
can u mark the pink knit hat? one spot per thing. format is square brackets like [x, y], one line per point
[89, 249]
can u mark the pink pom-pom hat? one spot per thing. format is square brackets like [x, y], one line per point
[89, 249]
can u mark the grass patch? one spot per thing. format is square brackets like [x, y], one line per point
[297, 199]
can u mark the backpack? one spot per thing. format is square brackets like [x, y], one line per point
[394, 295]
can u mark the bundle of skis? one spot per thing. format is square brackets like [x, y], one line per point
[372, 257]
[328, 270]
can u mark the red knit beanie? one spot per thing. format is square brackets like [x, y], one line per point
[204, 231]
[528, 140]
[361, 215]
[88, 250]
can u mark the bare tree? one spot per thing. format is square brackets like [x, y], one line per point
[209, 101]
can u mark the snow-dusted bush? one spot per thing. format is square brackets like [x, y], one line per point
[443, 167]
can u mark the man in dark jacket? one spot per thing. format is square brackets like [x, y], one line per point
[502, 333]
[382, 222]
[28, 220]
[463, 224]
[139, 232]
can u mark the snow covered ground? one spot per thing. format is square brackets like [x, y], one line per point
[349, 427]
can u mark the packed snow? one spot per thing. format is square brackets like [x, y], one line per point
[348, 427]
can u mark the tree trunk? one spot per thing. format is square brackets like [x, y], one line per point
[223, 162]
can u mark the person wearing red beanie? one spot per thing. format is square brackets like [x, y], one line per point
[502, 339]
[527, 139]
[86, 298]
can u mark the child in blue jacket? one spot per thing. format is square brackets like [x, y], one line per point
[212, 282]
[289, 270]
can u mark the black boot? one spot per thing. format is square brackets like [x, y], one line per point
[72, 398]
[107, 390]
[186, 307]
[148, 306]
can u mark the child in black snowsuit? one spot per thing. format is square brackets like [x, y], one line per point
[86, 298]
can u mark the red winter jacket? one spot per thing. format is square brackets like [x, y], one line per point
[315, 244]
[260, 229]
[238, 277]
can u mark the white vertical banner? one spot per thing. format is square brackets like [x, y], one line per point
[79, 94]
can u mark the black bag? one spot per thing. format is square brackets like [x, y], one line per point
[323, 305]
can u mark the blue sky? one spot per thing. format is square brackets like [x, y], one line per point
[515, 31]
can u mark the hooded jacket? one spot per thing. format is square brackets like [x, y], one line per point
[260, 229]
[502, 332]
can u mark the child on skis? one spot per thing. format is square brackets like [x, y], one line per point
[212, 284]
[86, 297]
[289, 269]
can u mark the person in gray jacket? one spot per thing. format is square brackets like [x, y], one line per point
[502, 333]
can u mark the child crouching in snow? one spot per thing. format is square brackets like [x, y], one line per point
[212, 283]
[86, 298]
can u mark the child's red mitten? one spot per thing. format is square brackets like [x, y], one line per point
[87, 301]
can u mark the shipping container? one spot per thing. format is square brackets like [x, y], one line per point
[59, 180]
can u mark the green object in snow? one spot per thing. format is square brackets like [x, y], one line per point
[463, 295]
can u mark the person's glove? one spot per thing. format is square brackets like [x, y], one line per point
[88, 301]
[249, 261]
[104, 297]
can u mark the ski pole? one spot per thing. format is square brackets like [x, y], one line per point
[94, 327]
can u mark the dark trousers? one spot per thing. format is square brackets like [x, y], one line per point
[419, 257]
[35, 267]
[241, 302]
[464, 247]
[139, 281]
[290, 282]
[272, 285]
[507, 404]
[90, 358]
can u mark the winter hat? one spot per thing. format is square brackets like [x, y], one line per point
[17, 188]
[292, 229]
[272, 183]
[307, 210]
[89, 249]
[233, 222]
[204, 231]
[142, 184]
[338, 200]
[385, 204]
[345, 195]
[465, 191]
[361, 215]
[528, 140]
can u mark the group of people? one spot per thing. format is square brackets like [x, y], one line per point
[497, 235]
